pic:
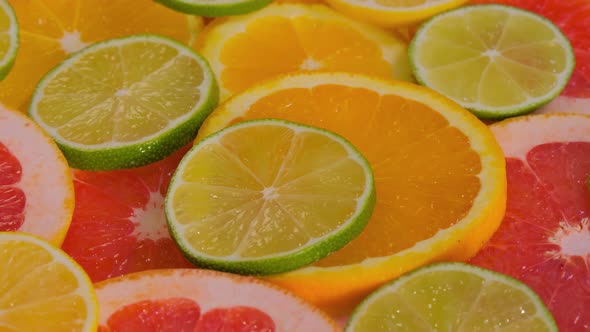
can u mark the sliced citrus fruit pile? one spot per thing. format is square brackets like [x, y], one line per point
[50, 30]
[8, 38]
[119, 226]
[42, 288]
[544, 239]
[512, 61]
[200, 301]
[215, 8]
[454, 297]
[283, 38]
[440, 187]
[268, 196]
[125, 102]
[36, 192]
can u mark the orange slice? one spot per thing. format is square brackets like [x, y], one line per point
[439, 175]
[52, 29]
[284, 38]
[202, 301]
[36, 189]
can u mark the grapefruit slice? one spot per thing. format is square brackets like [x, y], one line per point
[36, 192]
[572, 19]
[119, 224]
[544, 239]
[202, 300]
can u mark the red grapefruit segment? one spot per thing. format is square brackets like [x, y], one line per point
[226, 302]
[36, 192]
[544, 239]
[119, 225]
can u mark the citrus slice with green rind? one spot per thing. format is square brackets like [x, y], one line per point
[497, 61]
[215, 8]
[125, 102]
[8, 38]
[268, 196]
[452, 297]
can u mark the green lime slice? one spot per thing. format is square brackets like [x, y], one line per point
[268, 196]
[213, 8]
[8, 38]
[494, 60]
[452, 297]
[125, 102]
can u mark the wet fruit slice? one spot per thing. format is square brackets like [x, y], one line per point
[215, 8]
[8, 38]
[268, 196]
[544, 239]
[42, 288]
[455, 296]
[439, 175]
[394, 13]
[512, 61]
[285, 38]
[50, 30]
[202, 301]
[119, 225]
[125, 102]
[36, 191]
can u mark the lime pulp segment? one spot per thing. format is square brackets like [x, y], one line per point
[268, 196]
[495, 60]
[213, 8]
[8, 38]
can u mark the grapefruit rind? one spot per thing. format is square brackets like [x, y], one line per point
[487, 111]
[313, 250]
[362, 311]
[211, 289]
[337, 288]
[113, 156]
[7, 60]
[46, 178]
[85, 287]
[215, 8]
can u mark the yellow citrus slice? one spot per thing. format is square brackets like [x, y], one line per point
[36, 188]
[42, 288]
[50, 30]
[394, 12]
[284, 38]
[439, 175]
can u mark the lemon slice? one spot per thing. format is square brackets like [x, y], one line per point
[125, 102]
[215, 8]
[43, 289]
[452, 297]
[268, 196]
[494, 60]
[8, 38]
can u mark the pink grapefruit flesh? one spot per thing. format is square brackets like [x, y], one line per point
[119, 225]
[195, 300]
[36, 192]
[544, 239]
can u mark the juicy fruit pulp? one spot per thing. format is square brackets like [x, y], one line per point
[511, 61]
[12, 198]
[125, 102]
[268, 196]
[452, 297]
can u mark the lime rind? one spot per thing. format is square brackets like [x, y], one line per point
[112, 156]
[541, 310]
[215, 8]
[491, 112]
[7, 62]
[285, 261]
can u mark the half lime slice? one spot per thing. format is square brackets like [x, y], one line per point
[268, 196]
[213, 8]
[8, 38]
[125, 102]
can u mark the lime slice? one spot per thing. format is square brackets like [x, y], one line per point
[268, 196]
[452, 297]
[213, 8]
[8, 38]
[494, 60]
[125, 102]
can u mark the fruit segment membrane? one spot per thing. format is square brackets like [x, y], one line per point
[12, 198]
